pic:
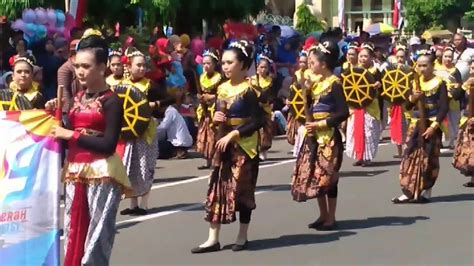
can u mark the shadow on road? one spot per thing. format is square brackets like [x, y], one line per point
[384, 164]
[282, 187]
[172, 179]
[453, 198]
[279, 159]
[295, 240]
[447, 154]
[176, 206]
[361, 173]
[378, 221]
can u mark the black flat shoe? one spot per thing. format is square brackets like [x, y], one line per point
[358, 163]
[201, 250]
[204, 167]
[330, 227]
[366, 164]
[420, 200]
[237, 248]
[468, 184]
[140, 212]
[129, 211]
[399, 201]
[315, 224]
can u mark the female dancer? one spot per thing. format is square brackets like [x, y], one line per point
[420, 164]
[210, 80]
[23, 80]
[463, 155]
[352, 56]
[140, 154]
[398, 114]
[363, 126]
[295, 121]
[94, 174]
[116, 67]
[449, 70]
[316, 172]
[352, 59]
[265, 95]
[234, 178]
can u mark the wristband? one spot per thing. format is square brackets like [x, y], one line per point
[434, 125]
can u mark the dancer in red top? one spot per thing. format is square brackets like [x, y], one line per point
[94, 174]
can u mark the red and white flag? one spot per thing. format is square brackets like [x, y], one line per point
[77, 9]
[397, 14]
[341, 15]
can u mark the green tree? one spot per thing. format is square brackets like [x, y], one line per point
[423, 14]
[13, 8]
[469, 16]
[306, 22]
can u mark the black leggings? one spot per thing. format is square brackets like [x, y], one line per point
[332, 192]
[244, 216]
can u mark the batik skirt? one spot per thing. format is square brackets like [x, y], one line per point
[206, 138]
[370, 138]
[292, 129]
[317, 168]
[266, 134]
[93, 194]
[464, 151]
[232, 185]
[140, 161]
[419, 168]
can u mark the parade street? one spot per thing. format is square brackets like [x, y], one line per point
[371, 230]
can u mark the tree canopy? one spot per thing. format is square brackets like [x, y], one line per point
[306, 22]
[183, 13]
[469, 16]
[424, 14]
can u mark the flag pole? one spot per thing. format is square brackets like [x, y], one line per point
[59, 107]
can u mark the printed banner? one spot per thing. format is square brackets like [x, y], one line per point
[29, 189]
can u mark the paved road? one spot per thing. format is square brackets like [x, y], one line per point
[372, 231]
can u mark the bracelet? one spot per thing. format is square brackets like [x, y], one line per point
[434, 125]
[235, 134]
[75, 136]
[322, 124]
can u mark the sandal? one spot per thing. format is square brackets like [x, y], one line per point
[315, 224]
[330, 227]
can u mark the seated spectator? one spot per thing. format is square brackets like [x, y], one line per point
[174, 138]
[188, 111]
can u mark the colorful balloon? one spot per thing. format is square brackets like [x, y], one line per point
[30, 29]
[41, 31]
[41, 17]
[29, 16]
[19, 24]
[60, 18]
[51, 17]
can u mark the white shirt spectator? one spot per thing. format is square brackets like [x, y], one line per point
[463, 61]
[174, 129]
